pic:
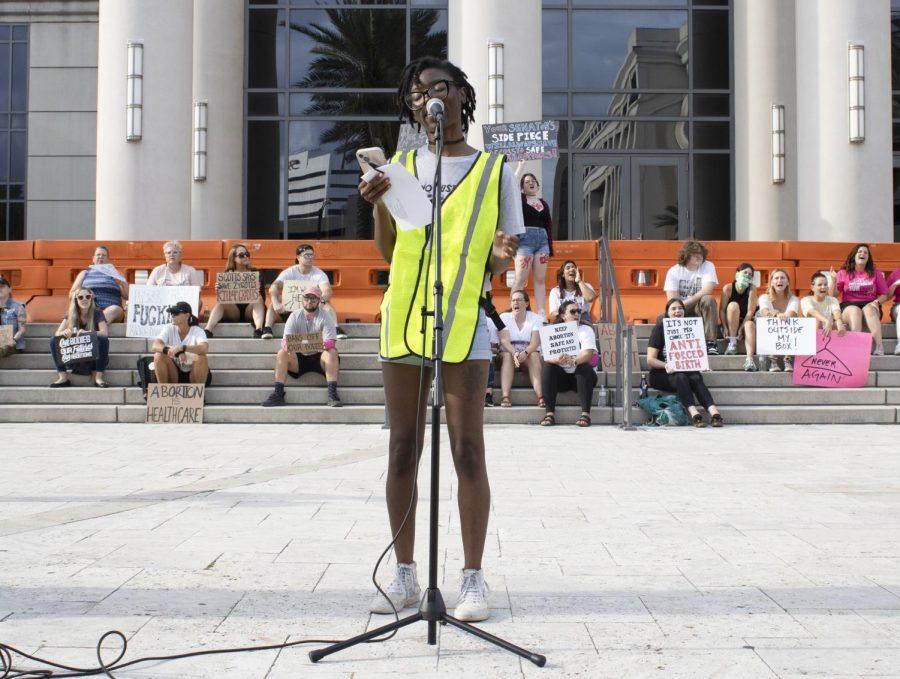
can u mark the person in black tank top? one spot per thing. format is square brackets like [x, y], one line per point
[536, 245]
[736, 311]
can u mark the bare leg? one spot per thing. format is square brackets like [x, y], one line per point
[114, 313]
[329, 361]
[873, 322]
[465, 422]
[258, 311]
[533, 362]
[284, 361]
[750, 337]
[199, 370]
[523, 268]
[732, 318]
[227, 311]
[507, 369]
[401, 389]
[165, 368]
[540, 284]
[853, 318]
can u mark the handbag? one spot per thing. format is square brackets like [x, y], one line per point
[664, 410]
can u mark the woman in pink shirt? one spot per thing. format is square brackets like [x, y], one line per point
[893, 283]
[861, 286]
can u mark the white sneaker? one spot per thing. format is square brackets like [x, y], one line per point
[773, 365]
[749, 365]
[897, 348]
[472, 604]
[788, 364]
[404, 591]
[879, 350]
[732, 346]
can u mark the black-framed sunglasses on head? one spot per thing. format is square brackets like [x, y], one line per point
[437, 90]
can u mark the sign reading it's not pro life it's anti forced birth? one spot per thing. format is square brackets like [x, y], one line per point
[560, 339]
[78, 349]
[522, 141]
[237, 287]
[147, 306]
[785, 336]
[685, 344]
[175, 403]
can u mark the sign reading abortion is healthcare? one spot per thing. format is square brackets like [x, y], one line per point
[523, 141]
[840, 361]
[147, 306]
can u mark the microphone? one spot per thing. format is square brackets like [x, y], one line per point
[435, 108]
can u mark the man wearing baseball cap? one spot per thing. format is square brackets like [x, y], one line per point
[179, 353]
[305, 326]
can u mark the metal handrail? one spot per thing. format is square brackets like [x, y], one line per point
[609, 291]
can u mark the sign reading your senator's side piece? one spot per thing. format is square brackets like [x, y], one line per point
[530, 140]
[147, 306]
[685, 344]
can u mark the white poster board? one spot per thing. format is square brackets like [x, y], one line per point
[560, 339]
[785, 336]
[147, 306]
[685, 344]
[291, 293]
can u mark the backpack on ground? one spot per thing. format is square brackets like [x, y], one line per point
[664, 410]
[145, 374]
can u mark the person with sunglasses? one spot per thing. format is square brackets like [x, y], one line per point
[12, 313]
[571, 373]
[312, 318]
[253, 312]
[481, 216]
[308, 274]
[82, 317]
[180, 350]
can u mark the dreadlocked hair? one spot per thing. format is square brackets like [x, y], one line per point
[409, 78]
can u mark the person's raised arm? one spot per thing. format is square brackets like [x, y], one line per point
[519, 167]
[586, 289]
[832, 282]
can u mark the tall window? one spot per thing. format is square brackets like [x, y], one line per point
[895, 105]
[321, 83]
[13, 117]
[643, 90]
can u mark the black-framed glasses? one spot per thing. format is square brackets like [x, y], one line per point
[439, 89]
[310, 298]
[242, 255]
[307, 253]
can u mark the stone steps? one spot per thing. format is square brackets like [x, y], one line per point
[811, 414]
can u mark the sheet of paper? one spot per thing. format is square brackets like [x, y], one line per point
[406, 200]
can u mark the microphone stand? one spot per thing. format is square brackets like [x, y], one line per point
[432, 608]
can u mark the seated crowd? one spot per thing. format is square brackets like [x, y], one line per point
[849, 299]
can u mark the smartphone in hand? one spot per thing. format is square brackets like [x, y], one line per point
[370, 159]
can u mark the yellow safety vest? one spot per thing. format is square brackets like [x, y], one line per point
[469, 219]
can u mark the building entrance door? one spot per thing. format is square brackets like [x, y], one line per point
[630, 197]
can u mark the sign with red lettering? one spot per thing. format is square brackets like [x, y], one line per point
[841, 361]
[606, 345]
[685, 344]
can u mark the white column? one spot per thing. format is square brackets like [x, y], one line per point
[764, 75]
[845, 189]
[144, 187]
[515, 23]
[218, 79]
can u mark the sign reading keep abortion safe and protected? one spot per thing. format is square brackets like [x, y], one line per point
[523, 141]
[175, 403]
[840, 361]
[560, 339]
[785, 336]
[685, 344]
[78, 349]
[147, 306]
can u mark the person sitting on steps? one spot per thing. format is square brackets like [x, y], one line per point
[82, 317]
[180, 350]
[736, 311]
[778, 302]
[822, 306]
[692, 280]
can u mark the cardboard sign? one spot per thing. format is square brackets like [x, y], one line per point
[785, 336]
[78, 349]
[6, 335]
[237, 287]
[560, 339]
[523, 141]
[291, 295]
[838, 362]
[304, 343]
[147, 306]
[606, 344]
[175, 403]
[685, 344]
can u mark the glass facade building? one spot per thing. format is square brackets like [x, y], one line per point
[13, 122]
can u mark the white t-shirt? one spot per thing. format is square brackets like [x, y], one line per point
[766, 303]
[554, 300]
[587, 340]
[521, 338]
[171, 338]
[686, 283]
[315, 276]
[187, 275]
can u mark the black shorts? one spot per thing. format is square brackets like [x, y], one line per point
[308, 363]
[859, 305]
[185, 377]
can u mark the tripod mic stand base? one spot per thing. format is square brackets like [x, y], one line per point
[432, 611]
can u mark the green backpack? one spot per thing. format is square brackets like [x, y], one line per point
[664, 410]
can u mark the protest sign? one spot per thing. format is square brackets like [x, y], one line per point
[6, 335]
[147, 306]
[522, 141]
[304, 343]
[560, 339]
[785, 336]
[685, 344]
[237, 287]
[606, 344]
[840, 361]
[175, 403]
[291, 295]
[78, 348]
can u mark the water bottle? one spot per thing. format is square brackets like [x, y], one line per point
[602, 396]
[643, 393]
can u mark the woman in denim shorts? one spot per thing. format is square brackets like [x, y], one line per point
[536, 244]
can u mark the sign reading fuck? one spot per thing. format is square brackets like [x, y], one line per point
[685, 344]
[147, 305]
[523, 141]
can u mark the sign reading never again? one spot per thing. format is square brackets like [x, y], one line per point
[840, 361]
[175, 403]
[531, 140]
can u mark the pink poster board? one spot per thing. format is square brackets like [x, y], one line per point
[840, 362]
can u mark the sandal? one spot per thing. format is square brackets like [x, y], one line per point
[583, 421]
[101, 384]
[505, 402]
[717, 421]
[698, 421]
[59, 385]
[549, 420]
[541, 403]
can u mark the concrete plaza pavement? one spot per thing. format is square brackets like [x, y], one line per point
[766, 551]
